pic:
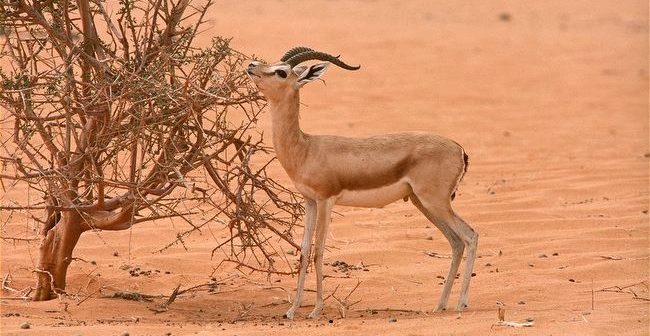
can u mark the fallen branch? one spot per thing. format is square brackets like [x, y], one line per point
[514, 324]
[628, 290]
[5, 283]
[88, 296]
[163, 306]
[15, 239]
[133, 296]
[611, 257]
[392, 310]
[254, 269]
[437, 255]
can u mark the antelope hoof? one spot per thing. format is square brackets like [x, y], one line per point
[290, 313]
[461, 307]
[316, 312]
[441, 307]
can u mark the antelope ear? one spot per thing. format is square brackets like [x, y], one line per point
[308, 74]
[299, 70]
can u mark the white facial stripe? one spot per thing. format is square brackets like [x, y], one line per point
[271, 69]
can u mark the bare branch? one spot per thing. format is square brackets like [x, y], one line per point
[120, 121]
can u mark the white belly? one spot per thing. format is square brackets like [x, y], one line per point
[377, 197]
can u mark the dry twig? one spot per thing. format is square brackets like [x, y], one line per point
[345, 304]
[437, 255]
[629, 289]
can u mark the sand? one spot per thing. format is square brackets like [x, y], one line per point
[550, 100]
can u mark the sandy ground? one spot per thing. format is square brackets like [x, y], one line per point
[549, 98]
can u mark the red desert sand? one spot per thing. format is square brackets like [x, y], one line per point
[550, 100]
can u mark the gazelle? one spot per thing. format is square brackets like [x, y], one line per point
[363, 172]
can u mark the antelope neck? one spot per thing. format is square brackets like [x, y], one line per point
[288, 139]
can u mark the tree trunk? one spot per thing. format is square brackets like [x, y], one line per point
[55, 256]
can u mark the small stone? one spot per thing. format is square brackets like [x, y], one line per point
[392, 319]
[25, 325]
[556, 254]
[473, 274]
[542, 256]
[429, 238]
[331, 321]
[521, 302]
[116, 254]
[572, 280]
[530, 319]
[505, 17]
[531, 264]
[488, 264]
[126, 333]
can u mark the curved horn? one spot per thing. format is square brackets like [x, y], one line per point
[294, 51]
[321, 56]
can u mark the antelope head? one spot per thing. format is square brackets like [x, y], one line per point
[277, 80]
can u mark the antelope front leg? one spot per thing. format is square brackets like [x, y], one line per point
[305, 250]
[322, 225]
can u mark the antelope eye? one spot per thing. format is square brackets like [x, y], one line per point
[281, 73]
